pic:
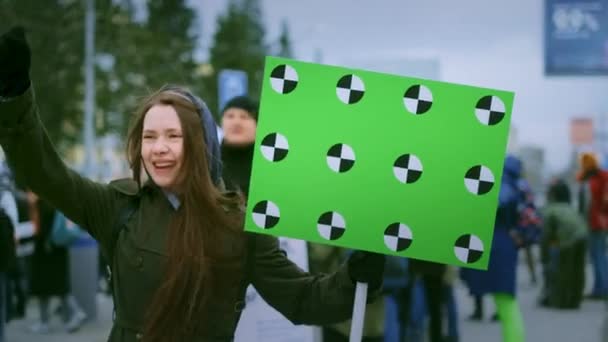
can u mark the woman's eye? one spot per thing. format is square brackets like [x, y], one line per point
[174, 136]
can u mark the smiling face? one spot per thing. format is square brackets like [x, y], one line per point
[239, 127]
[162, 145]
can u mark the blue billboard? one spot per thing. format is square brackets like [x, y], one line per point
[231, 83]
[576, 37]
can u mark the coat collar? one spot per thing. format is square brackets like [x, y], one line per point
[173, 199]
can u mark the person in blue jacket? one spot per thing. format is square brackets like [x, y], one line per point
[501, 277]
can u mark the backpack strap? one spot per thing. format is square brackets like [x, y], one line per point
[130, 189]
[121, 221]
[239, 306]
[123, 217]
[119, 225]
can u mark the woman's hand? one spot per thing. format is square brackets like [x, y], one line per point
[15, 59]
[367, 267]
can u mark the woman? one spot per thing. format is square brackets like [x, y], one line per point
[179, 263]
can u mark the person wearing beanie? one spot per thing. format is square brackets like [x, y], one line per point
[593, 206]
[239, 123]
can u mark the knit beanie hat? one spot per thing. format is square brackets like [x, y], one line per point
[244, 103]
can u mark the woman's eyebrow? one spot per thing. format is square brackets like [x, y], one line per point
[167, 130]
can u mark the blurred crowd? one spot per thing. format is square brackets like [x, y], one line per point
[568, 231]
[35, 241]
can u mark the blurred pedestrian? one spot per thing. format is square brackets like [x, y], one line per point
[530, 230]
[501, 277]
[7, 252]
[15, 273]
[593, 205]
[427, 280]
[50, 277]
[564, 247]
[239, 123]
[180, 260]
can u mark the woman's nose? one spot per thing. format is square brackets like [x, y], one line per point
[160, 146]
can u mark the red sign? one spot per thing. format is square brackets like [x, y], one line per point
[581, 131]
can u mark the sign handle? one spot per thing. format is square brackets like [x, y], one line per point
[356, 327]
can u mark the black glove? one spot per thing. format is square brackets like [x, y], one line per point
[367, 267]
[15, 60]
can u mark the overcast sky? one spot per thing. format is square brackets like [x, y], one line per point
[495, 44]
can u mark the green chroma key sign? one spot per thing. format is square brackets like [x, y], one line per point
[378, 162]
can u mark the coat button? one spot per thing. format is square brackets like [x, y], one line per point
[138, 336]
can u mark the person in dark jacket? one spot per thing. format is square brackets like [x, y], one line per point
[239, 123]
[501, 277]
[7, 258]
[181, 259]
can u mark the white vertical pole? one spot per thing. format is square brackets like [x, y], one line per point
[89, 95]
[356, 327]
[84, 252]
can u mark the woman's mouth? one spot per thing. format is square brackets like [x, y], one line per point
[163, 166]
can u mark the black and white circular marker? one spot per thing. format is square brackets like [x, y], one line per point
[274, 147]
[407, 168]
[340, 158]
[397, 237]
[479, 180]
[490, 110]
[468, 248]
[266, 214]
[283, 79]
[418, 99]
[350, 89]
[331, 225]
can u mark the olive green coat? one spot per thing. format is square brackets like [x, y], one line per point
[140, 254]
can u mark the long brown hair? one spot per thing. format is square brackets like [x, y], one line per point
[178, 304]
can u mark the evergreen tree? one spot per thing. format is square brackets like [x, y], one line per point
[146, 55]
[55, 32]
[238, 43]
[284, 42]
[132, 58]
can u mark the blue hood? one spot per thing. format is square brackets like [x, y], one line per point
[211, 140]
[513, 168]
[210, 132]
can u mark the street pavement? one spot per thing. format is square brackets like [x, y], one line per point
[582, 325]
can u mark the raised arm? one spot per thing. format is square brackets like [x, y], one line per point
[31, 155]
[306, 299]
